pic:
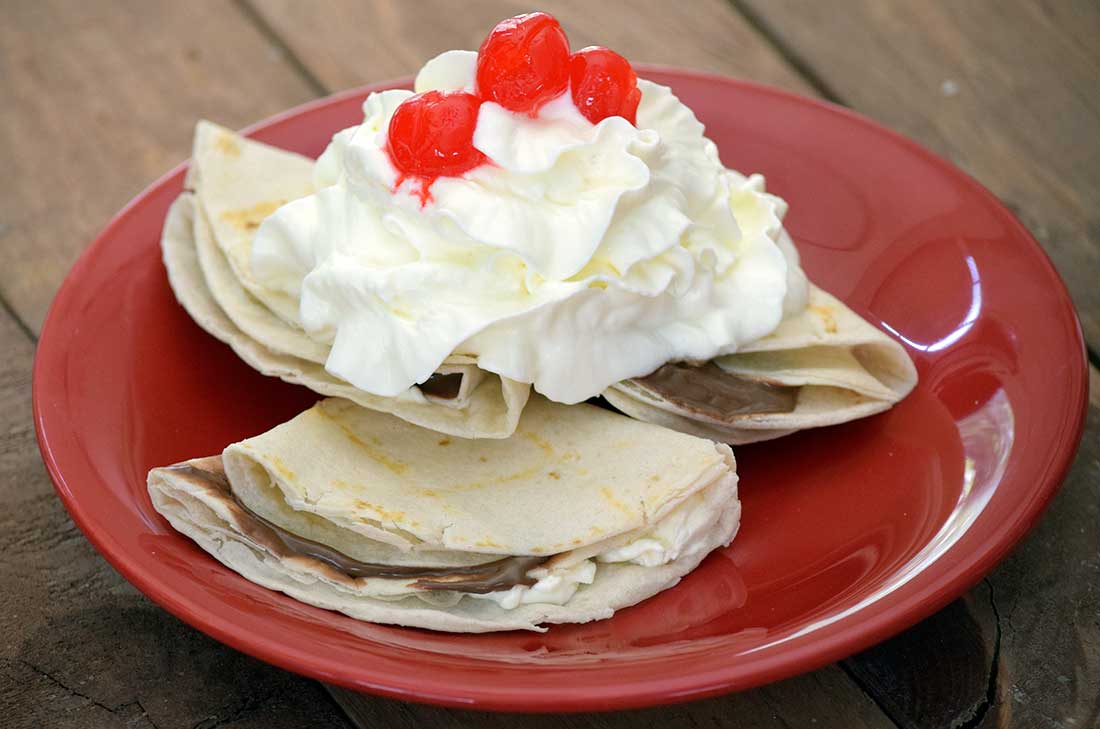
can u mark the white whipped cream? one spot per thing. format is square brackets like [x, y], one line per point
[554, 586]
[583, 255]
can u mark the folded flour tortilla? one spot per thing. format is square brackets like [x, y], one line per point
[207, 242]
[582, 512]
[822, 366]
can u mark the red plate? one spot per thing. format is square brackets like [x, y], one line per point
[850, 533]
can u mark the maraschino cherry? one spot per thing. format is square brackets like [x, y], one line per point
[603, 84]
[431, 135]
[524, 62]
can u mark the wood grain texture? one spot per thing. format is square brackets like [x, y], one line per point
[80, 647]
[351, 42]
[99, 100]
[942, 672]
[1047, 596]
[1007, 89]
[822, 699]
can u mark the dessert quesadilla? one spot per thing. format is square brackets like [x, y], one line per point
[822, 366]
[236, 183]
[521, 221]
[580, 513]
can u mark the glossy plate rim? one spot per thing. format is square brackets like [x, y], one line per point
[904, 606]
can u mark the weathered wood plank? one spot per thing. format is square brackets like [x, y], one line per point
[79, 647]
[942, 672]
[1007, 89]
[1047, 596]
[352, 42]
[79, 679]
[99, 100]
[821, 699]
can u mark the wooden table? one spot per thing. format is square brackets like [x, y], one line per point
[100, 98]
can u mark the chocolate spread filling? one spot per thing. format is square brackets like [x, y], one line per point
[444, 387]
[710, 391]
[502, 574]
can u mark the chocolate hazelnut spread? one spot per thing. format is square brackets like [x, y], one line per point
[444, 387]
[501, 574]
[710, 391]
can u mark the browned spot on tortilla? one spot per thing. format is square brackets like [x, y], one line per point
[605, 492]
[379, 513]
[374, 453]
[537, 440]
[825, 313]
[520, 475]
[228, 145]
[483, 459]
[554, 475]
[250, 218]
[282, 469]
[444, 441]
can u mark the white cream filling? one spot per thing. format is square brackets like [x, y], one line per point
[555, 586]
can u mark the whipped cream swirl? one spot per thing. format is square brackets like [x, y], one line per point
[581, 255]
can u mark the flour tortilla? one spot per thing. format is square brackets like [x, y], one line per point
[487, 406]
[255, 320]
[571, 475]
[236, 184]
[574, 481]
[845, 368]
[239, 182]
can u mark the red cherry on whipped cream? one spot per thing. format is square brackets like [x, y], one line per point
[524, 62]
[431, 135]
[604, 84]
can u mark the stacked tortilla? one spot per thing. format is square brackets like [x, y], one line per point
[534, 512]
[234, 184]
[824, 364]
[582, 512]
